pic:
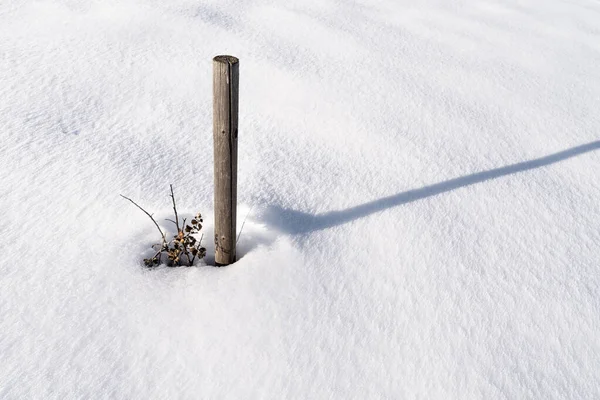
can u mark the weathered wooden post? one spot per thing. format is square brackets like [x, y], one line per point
[225, 135]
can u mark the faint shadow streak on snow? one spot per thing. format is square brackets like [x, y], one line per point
[214, 17]
[297, 222]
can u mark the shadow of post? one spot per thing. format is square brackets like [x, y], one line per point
[296, 222]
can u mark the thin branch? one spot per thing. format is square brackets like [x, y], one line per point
[198, 246]
[170, 220]
[149, 215]
[175, 210]
[243, 223]
[184, 242]
[159, 254]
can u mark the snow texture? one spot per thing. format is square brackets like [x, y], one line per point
[421, 181]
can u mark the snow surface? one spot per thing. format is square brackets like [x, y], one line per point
[421, 178]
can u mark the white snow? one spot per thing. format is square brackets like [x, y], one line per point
[421, 181]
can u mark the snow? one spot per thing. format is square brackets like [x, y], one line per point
[420, 180]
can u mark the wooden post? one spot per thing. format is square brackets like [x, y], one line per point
[225, 135]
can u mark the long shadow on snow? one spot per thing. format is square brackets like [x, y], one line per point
[296, 222]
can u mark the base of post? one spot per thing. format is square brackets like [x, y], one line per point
[224, 265]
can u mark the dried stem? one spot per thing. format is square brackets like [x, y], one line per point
[184, 242]
[159, 254]
[199, 245]
[175, 210]
[149, 215]
[243, 223]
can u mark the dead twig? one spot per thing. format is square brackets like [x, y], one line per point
[175, 210]
[243, 223]
[149, 215]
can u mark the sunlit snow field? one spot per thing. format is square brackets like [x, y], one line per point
[420, 182]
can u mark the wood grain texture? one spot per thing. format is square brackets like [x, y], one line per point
[225, 135]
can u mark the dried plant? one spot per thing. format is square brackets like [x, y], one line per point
[183, 249]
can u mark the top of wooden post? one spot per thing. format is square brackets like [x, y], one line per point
[226, 60]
